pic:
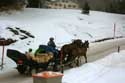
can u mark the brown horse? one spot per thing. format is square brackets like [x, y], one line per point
[80, 51]
[74, 50]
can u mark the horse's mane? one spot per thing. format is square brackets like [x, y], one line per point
[77, 42]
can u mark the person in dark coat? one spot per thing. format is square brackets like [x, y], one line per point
[51, 42]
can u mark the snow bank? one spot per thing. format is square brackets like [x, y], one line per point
[109, 69]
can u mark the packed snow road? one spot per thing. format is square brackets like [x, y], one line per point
[14, 77]
[101, 49]
[96, 51]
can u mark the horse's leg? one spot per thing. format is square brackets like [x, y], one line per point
[77, 61]
[71, 59]
[85, 58]
[80, 60]
[66, 58]
[63, 55]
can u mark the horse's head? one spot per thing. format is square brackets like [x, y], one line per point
[86, 44]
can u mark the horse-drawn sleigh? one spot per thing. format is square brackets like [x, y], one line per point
[51, 60]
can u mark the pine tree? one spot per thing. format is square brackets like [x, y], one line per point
[117, 7]
[36, 3]
[6, 5]
[86, 8]
[6, 2]
[121, 6]
[112, 9]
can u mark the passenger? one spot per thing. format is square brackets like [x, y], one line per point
[39, 50]
[51, 42]
[29, 54]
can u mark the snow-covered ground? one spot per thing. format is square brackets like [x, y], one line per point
[65, 25]
[110, 69]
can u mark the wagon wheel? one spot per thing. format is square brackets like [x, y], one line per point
[21, 69]
[33, 71]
